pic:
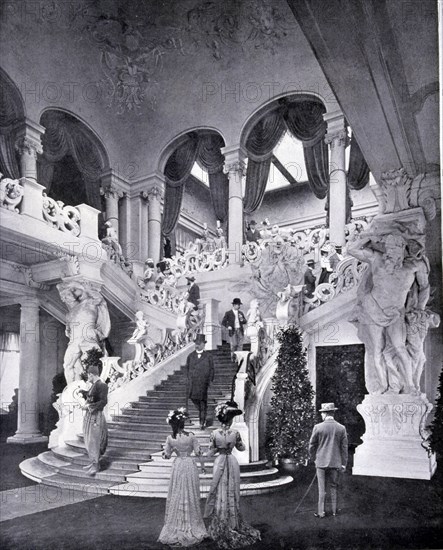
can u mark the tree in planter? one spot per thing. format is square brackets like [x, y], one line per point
[436, 436]
[292, 416]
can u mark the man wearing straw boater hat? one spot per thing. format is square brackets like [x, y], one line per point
[329, 446]
[200, 373]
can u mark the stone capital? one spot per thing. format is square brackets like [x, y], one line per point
[337, 133]
[110, 191]
[28, 145]
[234, 159]
[28, 138]
[398, 191]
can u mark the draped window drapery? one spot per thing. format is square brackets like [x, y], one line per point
[205, 149]
[260, 144]
[177, 170]
[66, 136]
[304, 119]
[212, 160]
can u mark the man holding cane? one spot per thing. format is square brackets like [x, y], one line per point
[329, 446]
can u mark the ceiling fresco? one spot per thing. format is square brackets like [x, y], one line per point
[134, 40]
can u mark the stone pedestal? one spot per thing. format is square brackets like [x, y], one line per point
[212, 328]
[393, 444]
[69, 408]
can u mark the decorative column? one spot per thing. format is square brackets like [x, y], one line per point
[28, 406]
[154, 224]
[235, 168]
[29, 144]
[138, 237]
[112, 193]
[337, 137]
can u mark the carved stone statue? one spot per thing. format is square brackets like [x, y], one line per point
[392, 281]
[141, 329]
[220, 240]
[111, 243]
[254, 326]
[87, 324]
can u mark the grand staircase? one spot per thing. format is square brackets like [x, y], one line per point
[132, 464]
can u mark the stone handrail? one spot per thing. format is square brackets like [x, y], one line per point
[26, 197]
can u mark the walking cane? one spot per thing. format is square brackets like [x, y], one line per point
[307, 491]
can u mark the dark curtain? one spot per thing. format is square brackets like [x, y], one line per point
[11, 112]
[358, 171]
[212, 160]
[177, 170]
[260, 144]
[304, 119]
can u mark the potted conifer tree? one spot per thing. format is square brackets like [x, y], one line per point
[292, 416]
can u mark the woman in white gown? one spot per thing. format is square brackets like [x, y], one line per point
[226, 526]
[184, 524]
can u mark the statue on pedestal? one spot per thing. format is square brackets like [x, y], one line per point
[87, 324]
[111, 243]
[380, 313]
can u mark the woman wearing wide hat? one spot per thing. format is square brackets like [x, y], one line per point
[184, 524]
[226, 525]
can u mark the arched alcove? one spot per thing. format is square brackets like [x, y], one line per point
[73, 160]
[200, 147]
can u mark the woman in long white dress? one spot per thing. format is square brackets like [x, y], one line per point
[226, 526]
[184, 524]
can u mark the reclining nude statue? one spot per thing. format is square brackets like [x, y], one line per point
[87, 324]
[391, 309]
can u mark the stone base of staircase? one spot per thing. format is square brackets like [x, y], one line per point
[132, 464]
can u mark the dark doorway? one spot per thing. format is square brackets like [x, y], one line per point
[341, 379]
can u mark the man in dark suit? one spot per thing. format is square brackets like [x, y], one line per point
[193, 291]
[95, 430]
[252, 235]
[329, 446]
[200, 373]
[234, 320]
[309, 279]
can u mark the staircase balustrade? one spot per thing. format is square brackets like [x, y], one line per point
[65, 218]
[194, 260]
[149, 354]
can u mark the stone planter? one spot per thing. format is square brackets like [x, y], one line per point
[290, 466]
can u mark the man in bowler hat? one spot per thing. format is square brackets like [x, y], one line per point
[329, 446]
[234, 320]
[200, 373]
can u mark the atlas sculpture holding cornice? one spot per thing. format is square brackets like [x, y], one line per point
[391, 312]
[87, 324]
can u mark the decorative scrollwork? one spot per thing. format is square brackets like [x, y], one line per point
[11, 194]
[59, 216]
